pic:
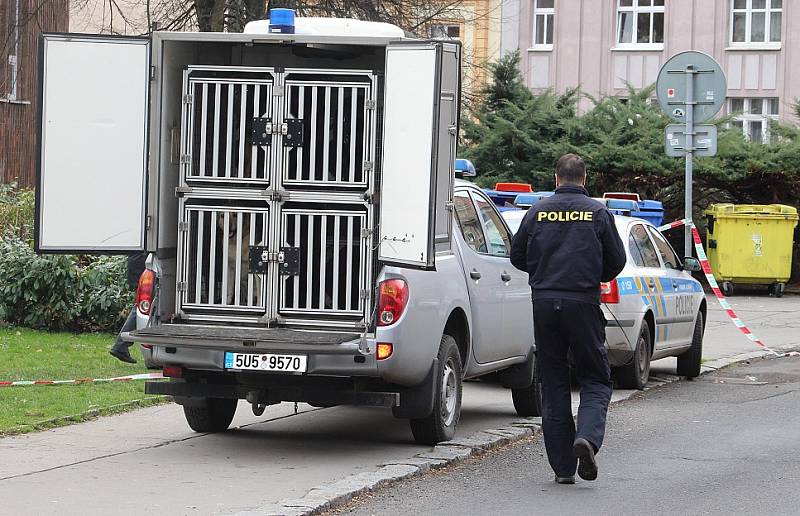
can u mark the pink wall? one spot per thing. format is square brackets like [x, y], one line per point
[584, 50]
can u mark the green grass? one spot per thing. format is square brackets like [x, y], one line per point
[37, 355]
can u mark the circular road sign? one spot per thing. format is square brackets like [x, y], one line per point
[710, 86]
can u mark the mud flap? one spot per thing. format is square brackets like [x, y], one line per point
[417, 402]
[519, 376]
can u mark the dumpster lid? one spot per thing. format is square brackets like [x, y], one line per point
[749, 210]
[651, 205]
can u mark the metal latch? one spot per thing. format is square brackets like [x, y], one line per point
[181, 286]
[449, 205]
[263, 129]
[188, 98]
[288, 260]
[276, 195]
[293, 132]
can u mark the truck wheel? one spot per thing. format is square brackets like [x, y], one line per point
[528, 400]
[689, 362]
[777, 289]
[441, 424]
[214, 416]
[635, 374]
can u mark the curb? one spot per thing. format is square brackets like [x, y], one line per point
[339, 493]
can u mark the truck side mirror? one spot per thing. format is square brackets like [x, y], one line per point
[691, 264]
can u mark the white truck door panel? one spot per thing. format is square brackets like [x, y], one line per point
[93, 143]
[417, 175]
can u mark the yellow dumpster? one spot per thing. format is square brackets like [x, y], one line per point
[751, 244]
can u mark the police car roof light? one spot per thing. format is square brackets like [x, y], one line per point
[281, 21]
[513, 187]
[622, 195]
[465, 168]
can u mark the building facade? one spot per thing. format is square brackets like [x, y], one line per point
[605, 45]
[21, 22]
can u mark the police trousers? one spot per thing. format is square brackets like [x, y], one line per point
[562, 325]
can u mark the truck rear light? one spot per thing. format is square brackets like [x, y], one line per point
[172, 372]
[385, 350]
[145, 291]
[392, 301]
[609, 292]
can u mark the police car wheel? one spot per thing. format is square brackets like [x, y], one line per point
[213, 416]
[528, 400]
[690, 361]
[635, 374]
[441, 424]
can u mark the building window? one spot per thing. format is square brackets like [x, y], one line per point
[444, 31]
[543, 16]
[752, 116]
[9, 85]
[640, 23]
[756, 21]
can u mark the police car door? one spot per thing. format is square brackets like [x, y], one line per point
[482, 271]
[681, 292]
[650, 280]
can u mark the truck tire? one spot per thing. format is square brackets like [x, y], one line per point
[213, 416]
[689, 362]
[635, 374]
[441, 424]
[528, 400]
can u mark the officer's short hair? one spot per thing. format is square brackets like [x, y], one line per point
[571, 169]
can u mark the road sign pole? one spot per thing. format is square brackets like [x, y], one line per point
[687, 246]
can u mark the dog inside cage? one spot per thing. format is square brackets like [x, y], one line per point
[218, 268]
[222, 136]
[332, 260]
[334, 133]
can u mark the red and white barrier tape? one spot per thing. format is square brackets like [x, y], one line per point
[129, 378]
[701, 256]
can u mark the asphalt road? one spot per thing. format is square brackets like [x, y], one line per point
[726, 444]
[149, 460]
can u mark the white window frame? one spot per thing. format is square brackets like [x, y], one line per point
[748, 10]
[549, 15]
[746, 118]
[635, 10]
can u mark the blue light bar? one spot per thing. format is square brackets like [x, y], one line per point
[281, 21]
[465, 168]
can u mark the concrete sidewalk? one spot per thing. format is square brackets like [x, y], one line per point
[150, 459]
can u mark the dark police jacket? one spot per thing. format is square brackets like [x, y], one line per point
[568, 244]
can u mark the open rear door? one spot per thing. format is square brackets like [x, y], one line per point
[92, 144]
[419, 140]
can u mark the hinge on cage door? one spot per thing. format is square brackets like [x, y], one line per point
[370, 104]
[363, 293]
[181, 286]
[188, 98]
[183, 226]
[367, 233]
[181, 190]
[449, 205]
[185, 158]
[368, 166]
[371, 198]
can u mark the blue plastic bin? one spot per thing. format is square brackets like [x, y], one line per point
[651, 211]
[501, 199]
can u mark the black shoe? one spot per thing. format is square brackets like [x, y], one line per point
[565, 480]
[125, 356]
[584, 452]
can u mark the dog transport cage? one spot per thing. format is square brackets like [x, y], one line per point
[274, 225]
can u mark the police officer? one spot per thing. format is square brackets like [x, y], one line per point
[568, 244]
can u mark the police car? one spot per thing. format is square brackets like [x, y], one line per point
[654, 308]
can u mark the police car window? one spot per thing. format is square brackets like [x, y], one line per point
[497, 236]
[636, 254]
[665, 250]
[468, 222]
[645, 246]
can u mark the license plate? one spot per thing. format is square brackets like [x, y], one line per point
[266, 362]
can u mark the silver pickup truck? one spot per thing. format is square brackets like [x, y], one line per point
[296, 192]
